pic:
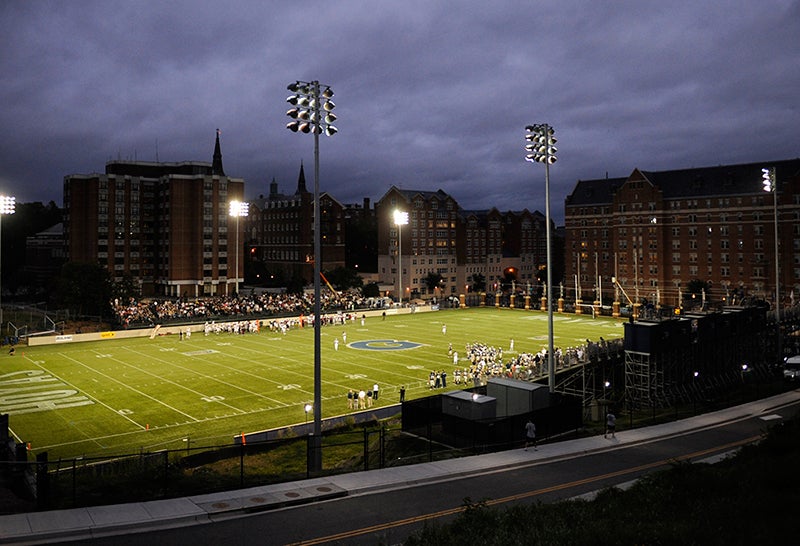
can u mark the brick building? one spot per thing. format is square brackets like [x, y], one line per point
[280, 233]
[455, 243]
[164, 225]
[657, 231]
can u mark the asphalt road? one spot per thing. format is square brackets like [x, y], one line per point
[388, 517]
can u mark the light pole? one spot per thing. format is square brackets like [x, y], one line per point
[310, 101]
[400, 220]
[541, 149]
[7, 205]
[238, 209]
[770, 185]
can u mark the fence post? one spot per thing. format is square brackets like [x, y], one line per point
[383, 446]
[241, 464]
[74, 482]
[166, 472]
[42, 485]
[366, 448]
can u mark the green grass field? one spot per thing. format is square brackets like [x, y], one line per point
[123, 396]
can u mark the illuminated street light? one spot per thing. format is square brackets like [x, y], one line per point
[769, 184]
[400, 220]
[7, 206]
[541, 149]
[238, 209]
[313, 113]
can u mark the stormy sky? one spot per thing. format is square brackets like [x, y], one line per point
[429, 94]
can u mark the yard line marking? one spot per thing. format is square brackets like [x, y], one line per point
[214, 378]
[201, 395]
[128, 387]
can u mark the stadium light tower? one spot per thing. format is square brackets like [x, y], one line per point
[312, 112]
[7, 206]
[770, 185]
[400, 220]
[541, 149]
[238, 209]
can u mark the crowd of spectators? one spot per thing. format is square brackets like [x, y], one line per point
[150, 312]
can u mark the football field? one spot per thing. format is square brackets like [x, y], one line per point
[128, 395]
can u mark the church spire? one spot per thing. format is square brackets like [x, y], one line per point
[216, 166]
[301, 181]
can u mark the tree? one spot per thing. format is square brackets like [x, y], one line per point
[371, 290]
[696, 287]
[84, 289]
[478, 282]
[343, 278]
[28, 220]
[433, 281]
[126, 289]
[295, 285]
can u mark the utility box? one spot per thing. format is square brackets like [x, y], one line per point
[469, 406]
[517, 397]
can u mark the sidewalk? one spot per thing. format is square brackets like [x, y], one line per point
[86, 523]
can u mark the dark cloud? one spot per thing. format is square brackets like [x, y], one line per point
[429, 94]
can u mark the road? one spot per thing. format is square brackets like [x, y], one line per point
[388, 516]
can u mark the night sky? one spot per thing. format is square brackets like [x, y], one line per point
[429, 94]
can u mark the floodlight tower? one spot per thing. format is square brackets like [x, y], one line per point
[400, 220]
[541, 149]
[769, 185]
[312, 112]
[238, 209]
[7, 206]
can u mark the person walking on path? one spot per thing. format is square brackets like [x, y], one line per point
[530, 435]
[611, 425]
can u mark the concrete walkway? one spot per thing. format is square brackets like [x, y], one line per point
[86, 523]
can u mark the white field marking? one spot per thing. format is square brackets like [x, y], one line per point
[128, 387]
[369, 361]
[168, 426]
[227, 384]
[260, 362]
[175, 383]
[97, 400]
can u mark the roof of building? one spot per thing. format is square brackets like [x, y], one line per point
[739, 179]
[425, 194]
